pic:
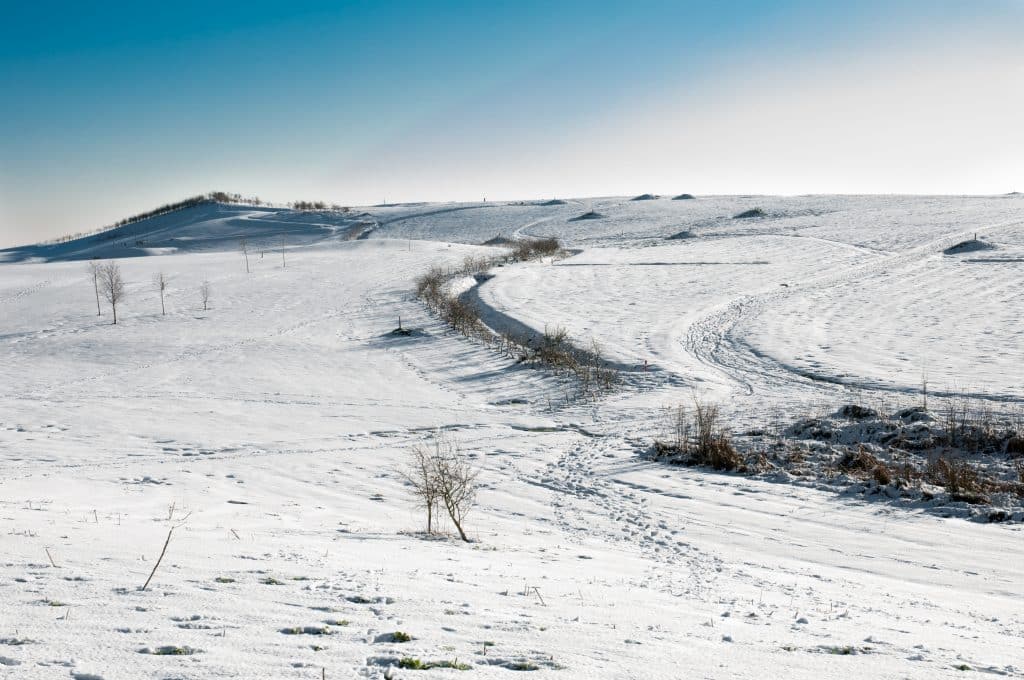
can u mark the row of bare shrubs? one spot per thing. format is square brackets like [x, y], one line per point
[974, 426]
[318, 205]
[553, 350]
[458, 313]
[556, 350]
[429, 286]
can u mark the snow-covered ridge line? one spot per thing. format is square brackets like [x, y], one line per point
[201, 226]
[211, 197]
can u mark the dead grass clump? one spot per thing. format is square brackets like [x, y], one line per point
[594, 373]
[860, 460]
[881, 474]
[535, 248]
[700, 439]
[960, 479]
[475, 264]
[555, 350]
[714, 447]
[546, 246]
[973, 426]
[864, 464]
[857, 412]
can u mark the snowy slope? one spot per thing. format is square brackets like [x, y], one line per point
[776, 308]
[269, 429]
[202, 228]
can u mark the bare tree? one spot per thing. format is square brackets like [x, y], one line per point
[111, 285]
[244, 245]
[160, 281]
[419, 474]
[204, 293]
[441, 475]
[94, 272]
[456, 482]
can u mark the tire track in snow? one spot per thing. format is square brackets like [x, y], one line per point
[716, 343]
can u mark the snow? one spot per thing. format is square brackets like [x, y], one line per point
[269, 429]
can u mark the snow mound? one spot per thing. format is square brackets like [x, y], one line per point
[971, 246]
[554, 201]
[591, 215]
[684, 197]
[749, 214]
[644, 197]
[679, 236]
[854, 425]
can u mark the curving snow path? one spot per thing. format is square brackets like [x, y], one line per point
[269, 430]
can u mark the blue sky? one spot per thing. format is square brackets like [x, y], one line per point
[110, 110]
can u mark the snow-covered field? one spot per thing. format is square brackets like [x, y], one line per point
[269, 429]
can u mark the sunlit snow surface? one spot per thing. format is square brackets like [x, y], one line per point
[269, 430]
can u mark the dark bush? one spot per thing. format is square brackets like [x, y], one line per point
[748, 214]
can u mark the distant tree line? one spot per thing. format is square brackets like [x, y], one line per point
[317, 205]
[212, 197]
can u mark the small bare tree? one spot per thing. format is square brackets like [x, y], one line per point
[419, 474]
[441, 475]
[94, 273]
[160, 281]
[456, 485]
[112, 285]
[244, 245]
[204, 293]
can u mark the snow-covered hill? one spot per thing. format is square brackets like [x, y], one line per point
[269, 430]
[205, 227]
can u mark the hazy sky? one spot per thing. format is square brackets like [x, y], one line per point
[114, 108]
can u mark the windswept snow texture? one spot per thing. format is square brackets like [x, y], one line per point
[269, 431]
[202, 228]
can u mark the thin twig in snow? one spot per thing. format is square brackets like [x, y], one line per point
[166, 543]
